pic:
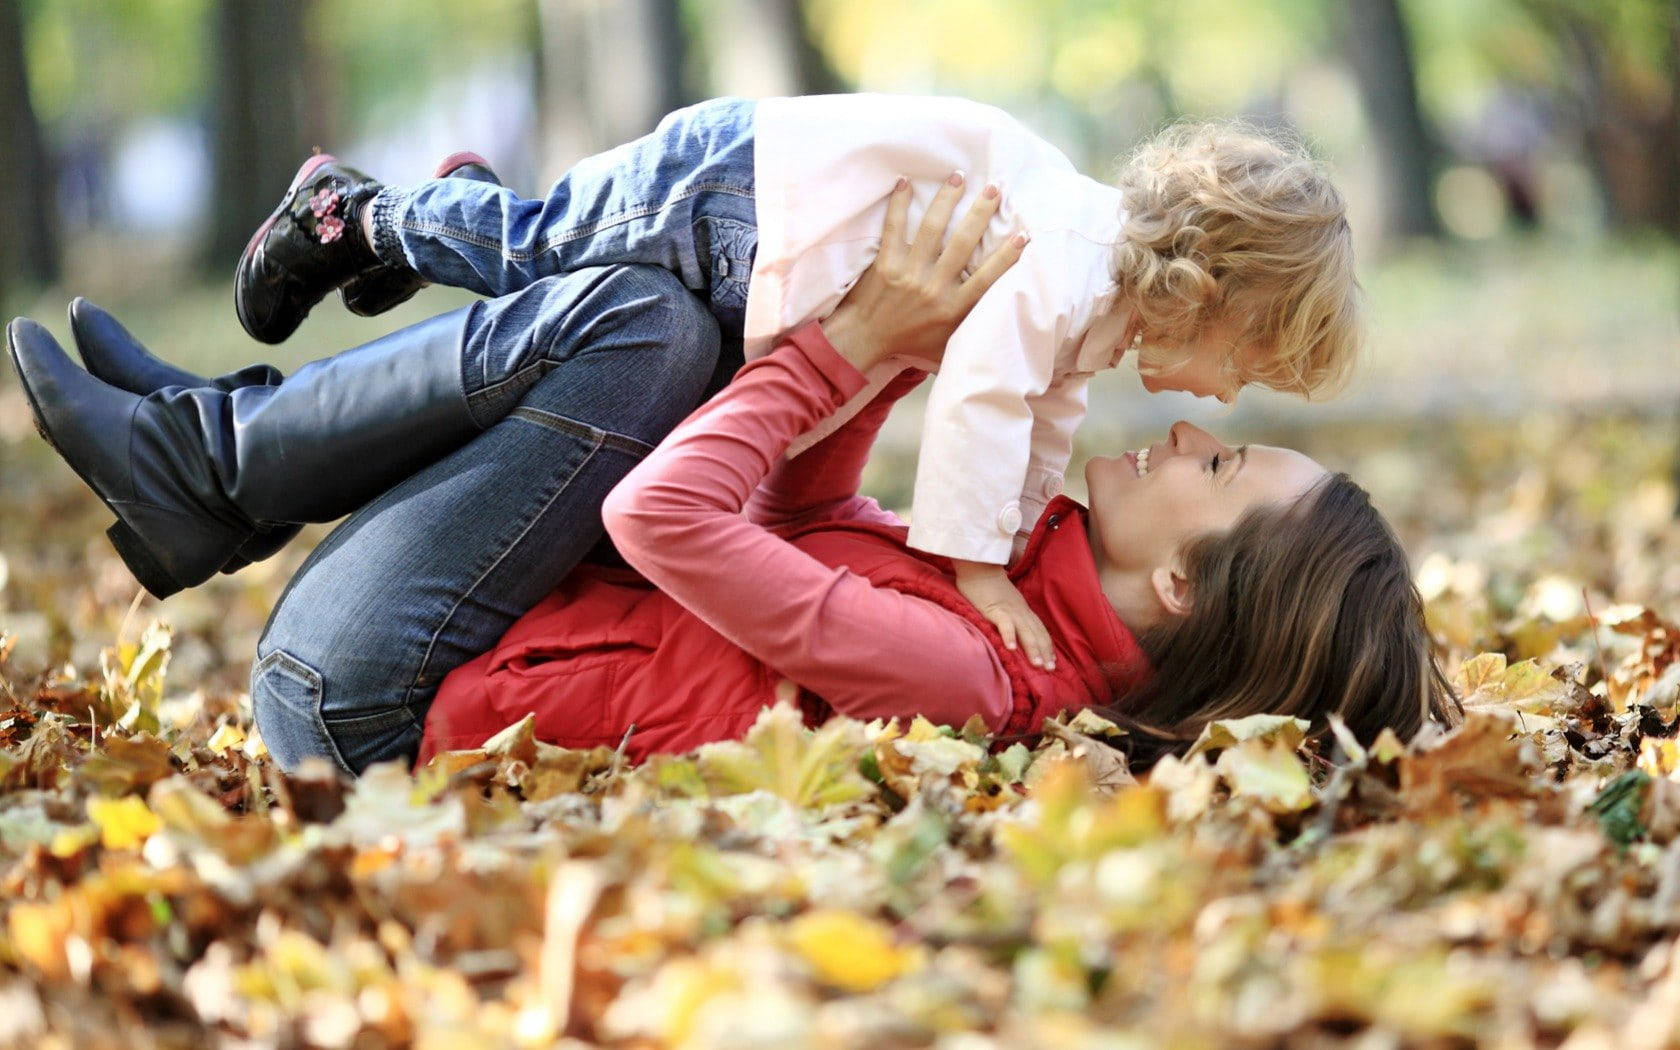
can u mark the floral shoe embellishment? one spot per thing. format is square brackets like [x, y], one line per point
[325, 202]
[329, 227]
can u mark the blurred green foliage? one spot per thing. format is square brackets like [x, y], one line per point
[106, 62]
[111, 60]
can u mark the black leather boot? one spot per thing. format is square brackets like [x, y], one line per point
[115, 356]
[193, 472]
[384, 287]
[308, 247]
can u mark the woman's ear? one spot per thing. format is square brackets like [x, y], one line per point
[1171, 588]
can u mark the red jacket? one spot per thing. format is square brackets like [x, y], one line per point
[763, 578]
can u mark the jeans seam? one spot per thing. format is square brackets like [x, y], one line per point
[525, 527]
[603, 438]
[488, 390]
[554, 240]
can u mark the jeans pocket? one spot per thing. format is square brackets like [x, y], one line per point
[286, 697]
[730, 247]
[289, 697]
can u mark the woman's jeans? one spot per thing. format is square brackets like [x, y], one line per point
[680, 198]
[576, 377]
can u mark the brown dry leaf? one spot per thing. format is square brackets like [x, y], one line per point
[1106, 766]
[1486, 758]
[559, 771]
[123, 764]
[45, 759]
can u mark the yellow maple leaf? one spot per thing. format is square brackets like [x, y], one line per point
[849, 951]
[124, 823]
[226, 736]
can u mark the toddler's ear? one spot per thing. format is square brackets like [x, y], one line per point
[1171, 588]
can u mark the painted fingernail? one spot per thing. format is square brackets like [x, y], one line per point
[1021, 240]
[902, 182]
[956, 178]
[990, 192]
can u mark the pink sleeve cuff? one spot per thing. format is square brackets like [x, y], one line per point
[841, 373]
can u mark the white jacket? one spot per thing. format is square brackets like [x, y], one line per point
[1002, 411]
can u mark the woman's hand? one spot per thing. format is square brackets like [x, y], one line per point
[914, 295]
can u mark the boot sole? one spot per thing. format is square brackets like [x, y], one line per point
[459, 159]
[248, 256]
[130, 547]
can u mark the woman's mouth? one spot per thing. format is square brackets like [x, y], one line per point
[1140, 460]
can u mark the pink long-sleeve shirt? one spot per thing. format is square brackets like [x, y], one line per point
[758, 574]
[709, 507]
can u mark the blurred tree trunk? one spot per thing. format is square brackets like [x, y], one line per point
[29, 251]
[1669, 196]
[766, 47]
[812, 72]
[1674, 166]
[607, 70]
[1630, 135]
[261, 100]
[1381, 55]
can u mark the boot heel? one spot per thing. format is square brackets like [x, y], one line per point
[132, 549]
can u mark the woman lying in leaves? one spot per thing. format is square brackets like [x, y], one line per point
[1203, 581]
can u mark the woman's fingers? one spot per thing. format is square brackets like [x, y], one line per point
[966, 235]
[898, 219]
[931, 236]
[986, 274]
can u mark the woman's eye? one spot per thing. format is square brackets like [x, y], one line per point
[1216, 462]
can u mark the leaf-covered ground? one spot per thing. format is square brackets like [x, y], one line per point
[1512, 883]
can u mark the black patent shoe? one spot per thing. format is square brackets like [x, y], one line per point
[385, 286]
[308, 247]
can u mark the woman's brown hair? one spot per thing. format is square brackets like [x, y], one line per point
[1306, 610]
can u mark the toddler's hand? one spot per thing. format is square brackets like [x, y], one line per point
[988, 587]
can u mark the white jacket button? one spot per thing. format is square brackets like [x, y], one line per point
[1052, 486]
[1009, 519]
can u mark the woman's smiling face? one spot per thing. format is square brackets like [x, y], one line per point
[1146, 505]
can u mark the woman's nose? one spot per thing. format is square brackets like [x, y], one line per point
[1183, 435]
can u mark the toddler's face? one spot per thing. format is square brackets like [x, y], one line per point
[1213, 367]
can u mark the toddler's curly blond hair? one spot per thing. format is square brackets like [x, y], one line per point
[1224, 223]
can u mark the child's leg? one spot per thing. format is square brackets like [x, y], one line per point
[680, 198]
